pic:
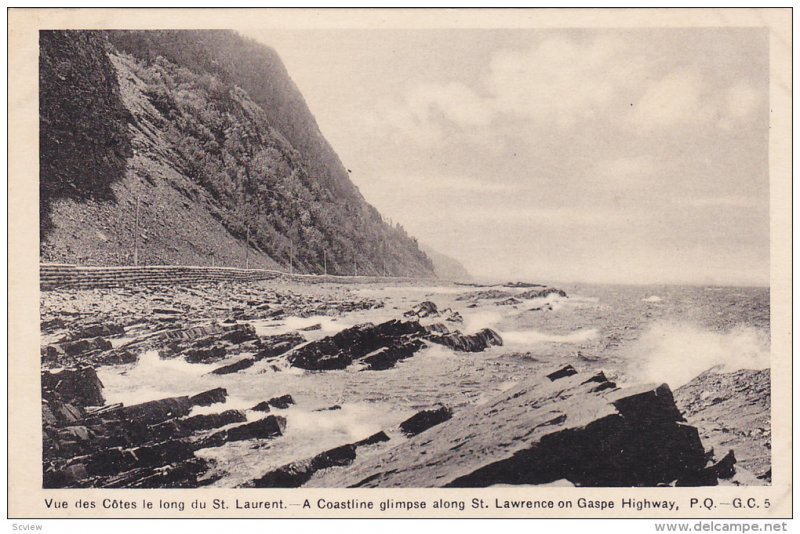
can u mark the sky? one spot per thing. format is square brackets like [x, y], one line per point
[596, 155]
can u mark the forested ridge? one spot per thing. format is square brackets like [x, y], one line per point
[196, 126]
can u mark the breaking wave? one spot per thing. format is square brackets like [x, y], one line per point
[676, 353]
[533, 337]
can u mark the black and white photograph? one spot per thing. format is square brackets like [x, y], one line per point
[406, 257]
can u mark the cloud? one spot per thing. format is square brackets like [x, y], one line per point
[455, 101]
[743, 100]
[562, 81]
[686, 97]
[679, 98]
[599, 86]
[537, 217]
[625, 172]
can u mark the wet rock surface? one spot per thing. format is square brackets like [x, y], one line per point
[532, 291]
[558, 425]
[578, 427]
[297, 473]
[731, 411]
[150, 444]
[424, 420]
[202, 323]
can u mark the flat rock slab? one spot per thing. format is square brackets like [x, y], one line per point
[579, 427]
[732, 411]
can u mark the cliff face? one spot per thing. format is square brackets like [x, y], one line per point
[207, 139]
[83, 142]
[446, 267]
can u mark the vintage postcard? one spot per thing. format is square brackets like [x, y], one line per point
[518, 263]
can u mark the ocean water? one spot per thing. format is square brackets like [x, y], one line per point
[636, 334]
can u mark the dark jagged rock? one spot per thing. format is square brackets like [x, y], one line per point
[115, 357]
[378, 437]
[311, 328]
[214, 420]
[437, 328]
[297, 473]
[52, 324]
[511, 301]
[235, 367]
[422, 310]
[166, 311]
[522, 284]
[329, 408]
[452, 316]
[156, 411]
[565, 371]
[272, 346]
[541, 293]
[181, 475]
[207, 398]
[422, 421]
[151, 444]
[210, 355]
[541, 432]
[340, 350]
[96, 330]
[724, 469]
[387, 358]
[262, 406]
[488, 294]
[732, 411]
[76, 348]
[496, 294]
[64, 412]
[79, 386]
[266, 428]
[239, 334]
[282, 402]
[473, 343]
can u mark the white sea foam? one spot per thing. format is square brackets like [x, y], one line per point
[676, 353]
[476, 319]
[532, 337]
[328, 325]
[652, 298]
[153, 378]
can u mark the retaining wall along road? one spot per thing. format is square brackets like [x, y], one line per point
[53, 276]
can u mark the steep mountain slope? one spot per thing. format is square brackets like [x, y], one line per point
[444, 266]
[203, 139]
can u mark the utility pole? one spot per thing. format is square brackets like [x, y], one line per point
[247, 250]
[325, 260]
[355, 265]
[384, 258]
[291, 256]
[136, 235]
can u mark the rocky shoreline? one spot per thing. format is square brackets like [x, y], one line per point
[566, 425]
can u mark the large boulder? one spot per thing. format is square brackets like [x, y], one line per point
[732, 411]
[79, 386]
[340, 350]
[476, 342]
[386, 358]
[422, 421]
[578, 427]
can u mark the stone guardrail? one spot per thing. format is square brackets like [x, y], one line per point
[56, 276]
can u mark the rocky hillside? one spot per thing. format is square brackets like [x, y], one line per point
[201, 142]
[445, 266]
